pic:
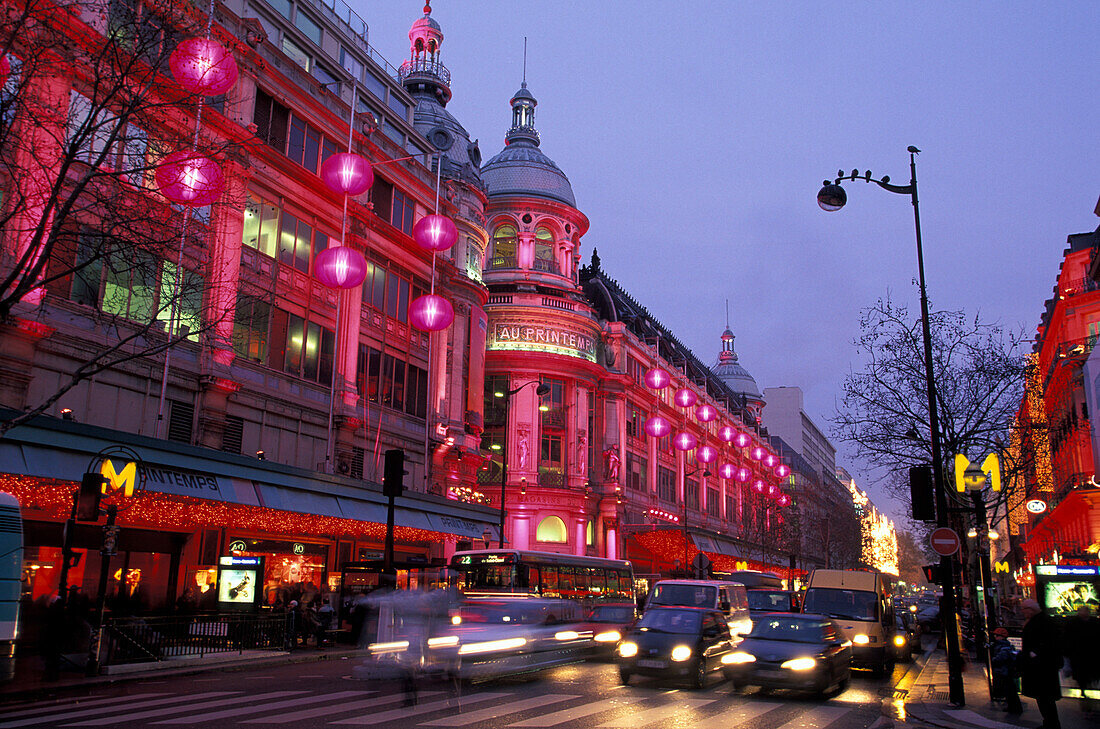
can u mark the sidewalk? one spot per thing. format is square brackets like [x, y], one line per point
[927, 702]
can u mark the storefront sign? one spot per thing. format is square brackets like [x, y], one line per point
[968, 477]
[1000, 567]
[1054, 569]
[542, 338]
[298, 548]
[238, 545]
[1036, 506]
[123, 470]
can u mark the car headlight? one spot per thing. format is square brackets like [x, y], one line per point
[899, 640]
[491, 646]
[443, 641]
[799, 664]
[861, 639]
[681, 653]
[456, 620]
[628, 649]
[567, 635]
[738, 657]
[608, 636]
[912, 608]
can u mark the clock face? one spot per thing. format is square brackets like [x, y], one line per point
[1036, 506]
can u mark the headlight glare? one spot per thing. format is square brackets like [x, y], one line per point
[899, 640]
[628, 649]
[681, 653]
[861, 639]
[609, 636]
[738, 657]
[799, 664]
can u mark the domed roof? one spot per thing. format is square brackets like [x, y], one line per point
[730, 371]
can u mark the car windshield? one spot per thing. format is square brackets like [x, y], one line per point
[686, 595]
[671, 621]
[799, 630]
[608, 614]
[770, 600]
[844, 604]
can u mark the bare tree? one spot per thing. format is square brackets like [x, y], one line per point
[86, 117]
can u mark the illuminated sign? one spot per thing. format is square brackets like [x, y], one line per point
[741, 565]
[1053, 570]
[1036, 506]
[1000, 567]
[123, 479]
[298, 548]
[969, 477]
[542, 338]
[238, 545]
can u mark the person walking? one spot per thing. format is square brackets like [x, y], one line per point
[1004, 671]
[1040, 661]
[1082, 636]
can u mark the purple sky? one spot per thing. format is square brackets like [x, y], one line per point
[696, 136]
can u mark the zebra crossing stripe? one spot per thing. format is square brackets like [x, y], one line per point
[313, 714]
[658, 713]
[499, 710]
[737, 714]
[132, 703]
[198, 712]
[578, 712]
[818, 717]
[295, 702]
[409, 711]
[42, 706]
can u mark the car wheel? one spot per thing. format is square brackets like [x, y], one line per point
[700, 679]
[843, 684]
[624, 677]
[729, 676]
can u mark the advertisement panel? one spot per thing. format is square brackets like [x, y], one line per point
[1063, 589]
[240, 582]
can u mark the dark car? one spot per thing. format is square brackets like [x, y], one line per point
[795, 651]
[763, 600]
[607, 624]
[907, 637]
[676, 643]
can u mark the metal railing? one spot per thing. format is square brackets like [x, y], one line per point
[152, 639]
[423, 67]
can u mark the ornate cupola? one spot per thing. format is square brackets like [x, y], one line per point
[423, 71]
[523, 118]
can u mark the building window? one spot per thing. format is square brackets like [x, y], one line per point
[308, 26]
[691, 493]
[307, 349]
[307, 146]
[250, 327]
[635, 472]
[505, 243]
[392, 381]
[392, 205]
[666, 485]
[89, 135]
[714, 503]
[590, 533]
[544, 251]
[388, 292]
[731, 508]
[350, 63]
[296, 53]
[261, 224]
[473, 260]
[551, 529]
[271, 119]
[633, 422]
[550, 454]
[635, 369]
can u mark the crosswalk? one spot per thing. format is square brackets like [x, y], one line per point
[626, 708]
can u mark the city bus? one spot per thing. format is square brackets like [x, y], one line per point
[11, 567]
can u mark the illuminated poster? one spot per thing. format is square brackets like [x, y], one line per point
[240, 582]
[1062, 599]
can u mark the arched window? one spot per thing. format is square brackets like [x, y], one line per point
[590, 534]
[504, 248]
[544, 251]
[551, 529]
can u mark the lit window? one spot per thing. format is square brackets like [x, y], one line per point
[551, 529]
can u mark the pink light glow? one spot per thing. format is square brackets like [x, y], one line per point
[727, 433]
[431, 313]
[770, 460]
[757, 453]
[783, 500]
[727, 470]
[657, 427]
[656, 378]
[782, 470]
[188, 178]
[686, 397]
[347, 174]
[743, 475]
[743, 440]
[705, 413]
[684, 441]
[758, 486]
[340, 267]
[435, 232]
[203, 66]
[706, 454]
[773, 491]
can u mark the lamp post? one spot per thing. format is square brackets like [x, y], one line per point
[687, 475]
[831, 198]
[507, 395]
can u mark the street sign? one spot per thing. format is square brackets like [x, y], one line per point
[700, 564]
[944, 541]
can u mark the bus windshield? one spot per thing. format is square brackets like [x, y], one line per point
[846, 604]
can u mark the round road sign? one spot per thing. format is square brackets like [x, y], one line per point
[944, 541]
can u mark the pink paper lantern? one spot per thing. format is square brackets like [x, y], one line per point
[770, 460]
[435, 232]
[727, 470]
[685, 397]
[783, 500]
[727, 433]
[340, 267]
[705, 413]
[656, 378]
[347, 174]
[188, 178]
[743, 475]
[684, 441]
[757, 453]
[743, 440]
[782, 470]
[430, 313]
[758, 486]
[706, 454]
[203, 66]
[657, 427]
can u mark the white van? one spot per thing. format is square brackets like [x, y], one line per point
[861, 603]
[728, 597]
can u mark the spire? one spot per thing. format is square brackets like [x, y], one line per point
[523, 111]
[423, 71]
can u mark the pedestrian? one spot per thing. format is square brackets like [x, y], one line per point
[1004, 672]
[1082, 636]
[325, 614]
[1040, 661]
[292, 625]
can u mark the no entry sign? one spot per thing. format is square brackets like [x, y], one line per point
[944, 541]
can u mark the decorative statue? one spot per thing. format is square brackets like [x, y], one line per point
[582, 451]
[611, 458]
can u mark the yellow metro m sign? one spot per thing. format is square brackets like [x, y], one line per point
[1000, 567]
[969, 477]
[124, 480]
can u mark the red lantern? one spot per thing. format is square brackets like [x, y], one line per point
[743, 440]
[340, 267]
[706, 454]
[656, 378]
[705, 413]
[347, 174]
[430, 313]
[203, 66]
[743, 475]
[657, 427]
[188, 178]
[727, 470]
[757, 453]
[435, 232]
[770, 460]
[783, 500]
[727, 433]
[684, 441]
[685, 397]
[782, 470]
[758, 486]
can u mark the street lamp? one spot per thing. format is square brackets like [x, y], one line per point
[684, 525]
[831, 198]
[507, 395]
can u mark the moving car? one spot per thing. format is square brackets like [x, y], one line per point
[793, 651]
[763, 600]
[677, 643]
[907, 638]
[727, 597]
[607, 624]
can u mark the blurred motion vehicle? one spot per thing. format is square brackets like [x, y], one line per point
[861, 603]
[799, 651]
[907, 638]
[929, 618]
[607, 624]
[763, 600]
[676, 643]
[729, 598]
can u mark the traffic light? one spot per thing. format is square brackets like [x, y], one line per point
[922, 493]
[932, 574]
[393, 477]
[87, 500]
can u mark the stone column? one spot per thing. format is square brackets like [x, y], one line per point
[227, 228]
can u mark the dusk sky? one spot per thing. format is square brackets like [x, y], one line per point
[696, 136]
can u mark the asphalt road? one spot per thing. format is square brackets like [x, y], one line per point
[579, 696]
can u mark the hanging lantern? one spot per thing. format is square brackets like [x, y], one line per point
[657, 427]
[430, 313]
[347, 174]
[727, 433]
[783, 500]
[743, 475]
[188, 178]
[757, 453]
[758, 486]
[340, 267]
[743, 440]
[203, 66]
[685, 397]
[435, 232]
[705, 413]
[5, 69]
[684, 441]
[773, 491]
[727, 470]
[656, 378]
[706, 454]
[782, 470]
[770, 459]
